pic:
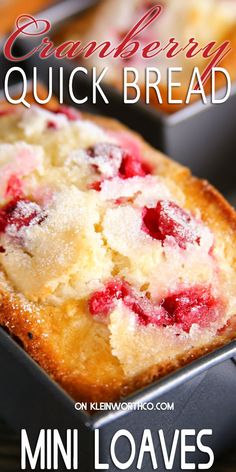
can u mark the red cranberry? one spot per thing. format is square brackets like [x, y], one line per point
[14, 188]
[168, 219]
[52, 125]
[20, 213]
[147, 312]
[103, 302]
[125, 165]
[131, 167]
[97, 185]
[195, 305]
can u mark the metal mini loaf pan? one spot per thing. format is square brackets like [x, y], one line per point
[203, 394]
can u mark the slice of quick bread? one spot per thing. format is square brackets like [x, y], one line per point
[117, 266]
[202, 20]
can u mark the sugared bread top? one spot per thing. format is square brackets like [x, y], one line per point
[117, 266]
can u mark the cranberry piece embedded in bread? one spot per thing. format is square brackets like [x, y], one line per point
[102, 303]
[97, 185]
[194, 305]
[14, 188]
[168, 219]
[117, 162]
[132, 167]
[20, 212]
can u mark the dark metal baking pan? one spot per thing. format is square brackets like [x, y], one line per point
[63, 10]
[203, 393]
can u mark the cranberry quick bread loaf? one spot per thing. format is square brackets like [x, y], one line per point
[204, 20]
[117, 266]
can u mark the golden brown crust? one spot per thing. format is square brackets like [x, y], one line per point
[43, 341]
[20, 323]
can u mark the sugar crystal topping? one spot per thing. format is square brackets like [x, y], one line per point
[167, 219]
[19, 214]
[113, 234]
